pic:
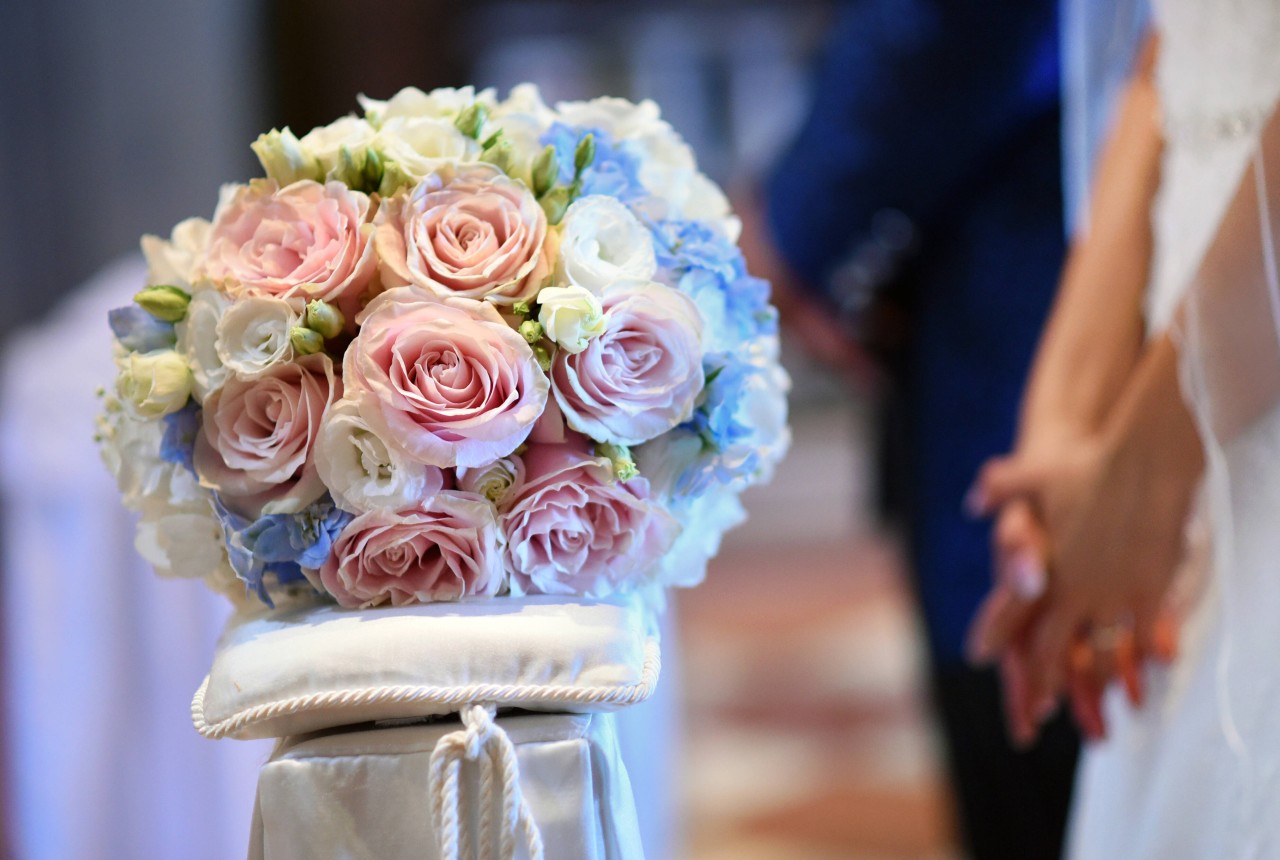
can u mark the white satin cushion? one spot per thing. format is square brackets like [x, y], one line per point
[364, 793]
[288, 673]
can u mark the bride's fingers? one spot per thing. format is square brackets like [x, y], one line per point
[1156, 632]
[1021, 580]
[1084, 691]
[1046, 667]
[999, 480]
[1129, 668]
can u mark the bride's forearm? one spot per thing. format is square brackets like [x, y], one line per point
[1095, 331]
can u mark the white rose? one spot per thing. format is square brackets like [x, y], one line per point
[253, 335]
[362, 472]
[153, 384]
[570, 316]
[324, 143]
[498, 482]
[181, 538]
[130, 449]
[423, 145]
[411, 102]
[198, 338]
[174, 261]
[601, 243]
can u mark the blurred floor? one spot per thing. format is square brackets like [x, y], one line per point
[808, 735]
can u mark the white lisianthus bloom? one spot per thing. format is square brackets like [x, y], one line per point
[174, 261]
[706, 202]
[602, 243]
[130, 449]
[253, 335]
[324, 143]
[362, 472]
[181, 536]
[570, 316]
[153, 384]
[197, 341]
[498, 482]
[423, 145]
[411, 102]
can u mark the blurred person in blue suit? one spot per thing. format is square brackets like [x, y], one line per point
[920, 209]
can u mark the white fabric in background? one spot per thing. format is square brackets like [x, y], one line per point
[364, 793]
[100, 655]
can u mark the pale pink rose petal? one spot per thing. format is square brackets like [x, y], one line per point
[445, 548]
[572, 529]
[447, 383]
[254, 447]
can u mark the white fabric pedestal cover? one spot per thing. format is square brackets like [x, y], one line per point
[365, 793]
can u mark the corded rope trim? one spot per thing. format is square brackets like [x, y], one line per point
[494, 694]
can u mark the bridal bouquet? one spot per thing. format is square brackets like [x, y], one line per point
[453, 347]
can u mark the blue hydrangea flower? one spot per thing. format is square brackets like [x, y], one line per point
[711, 270]
[614, 172]
[139, 331]
[279, 545]
[179, 440]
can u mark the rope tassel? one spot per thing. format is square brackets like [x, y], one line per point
[481, 741]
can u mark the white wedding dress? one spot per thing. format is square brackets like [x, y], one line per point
[1195, 773]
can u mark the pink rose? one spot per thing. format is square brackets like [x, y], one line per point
[300, 242]
[256, 438]
[479, 235]
[643, 375]
[573, 529]
[449, 383]
[442, 549]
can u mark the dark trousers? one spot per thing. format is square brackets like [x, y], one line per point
[1011, 804]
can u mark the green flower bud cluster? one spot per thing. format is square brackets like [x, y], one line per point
[320, 322]
[556, 199]
[360, 170]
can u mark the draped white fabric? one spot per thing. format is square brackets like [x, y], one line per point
[1196, 772]
[101, 656]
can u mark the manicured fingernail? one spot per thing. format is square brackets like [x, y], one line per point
[1027, 576]
[975, 502]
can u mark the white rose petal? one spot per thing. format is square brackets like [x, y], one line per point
[411, 102]
[253, 335]
[197, 341]
[498, 482]
[570, 316]
[423, 145]
[602, 243]
[153, 384]
[181, 540]
[324, 143]
[362, 472]
[174, 261]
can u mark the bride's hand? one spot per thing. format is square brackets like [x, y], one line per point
[1113, 507]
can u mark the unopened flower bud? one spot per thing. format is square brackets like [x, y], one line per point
[164, 302]
[543, 355]
[283, 157]
[555, 203]
[472, 120]
[531, 331]
[584, 154]
[394, 178]
[544, 170]
[305, 341]
[619, 456]
[499, 155]
[324, 319]
[521, 308]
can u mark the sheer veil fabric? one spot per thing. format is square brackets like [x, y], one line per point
[1196, 772]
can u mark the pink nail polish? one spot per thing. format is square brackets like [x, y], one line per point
[1027, 576]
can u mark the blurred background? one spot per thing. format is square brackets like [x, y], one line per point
[808, 727]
